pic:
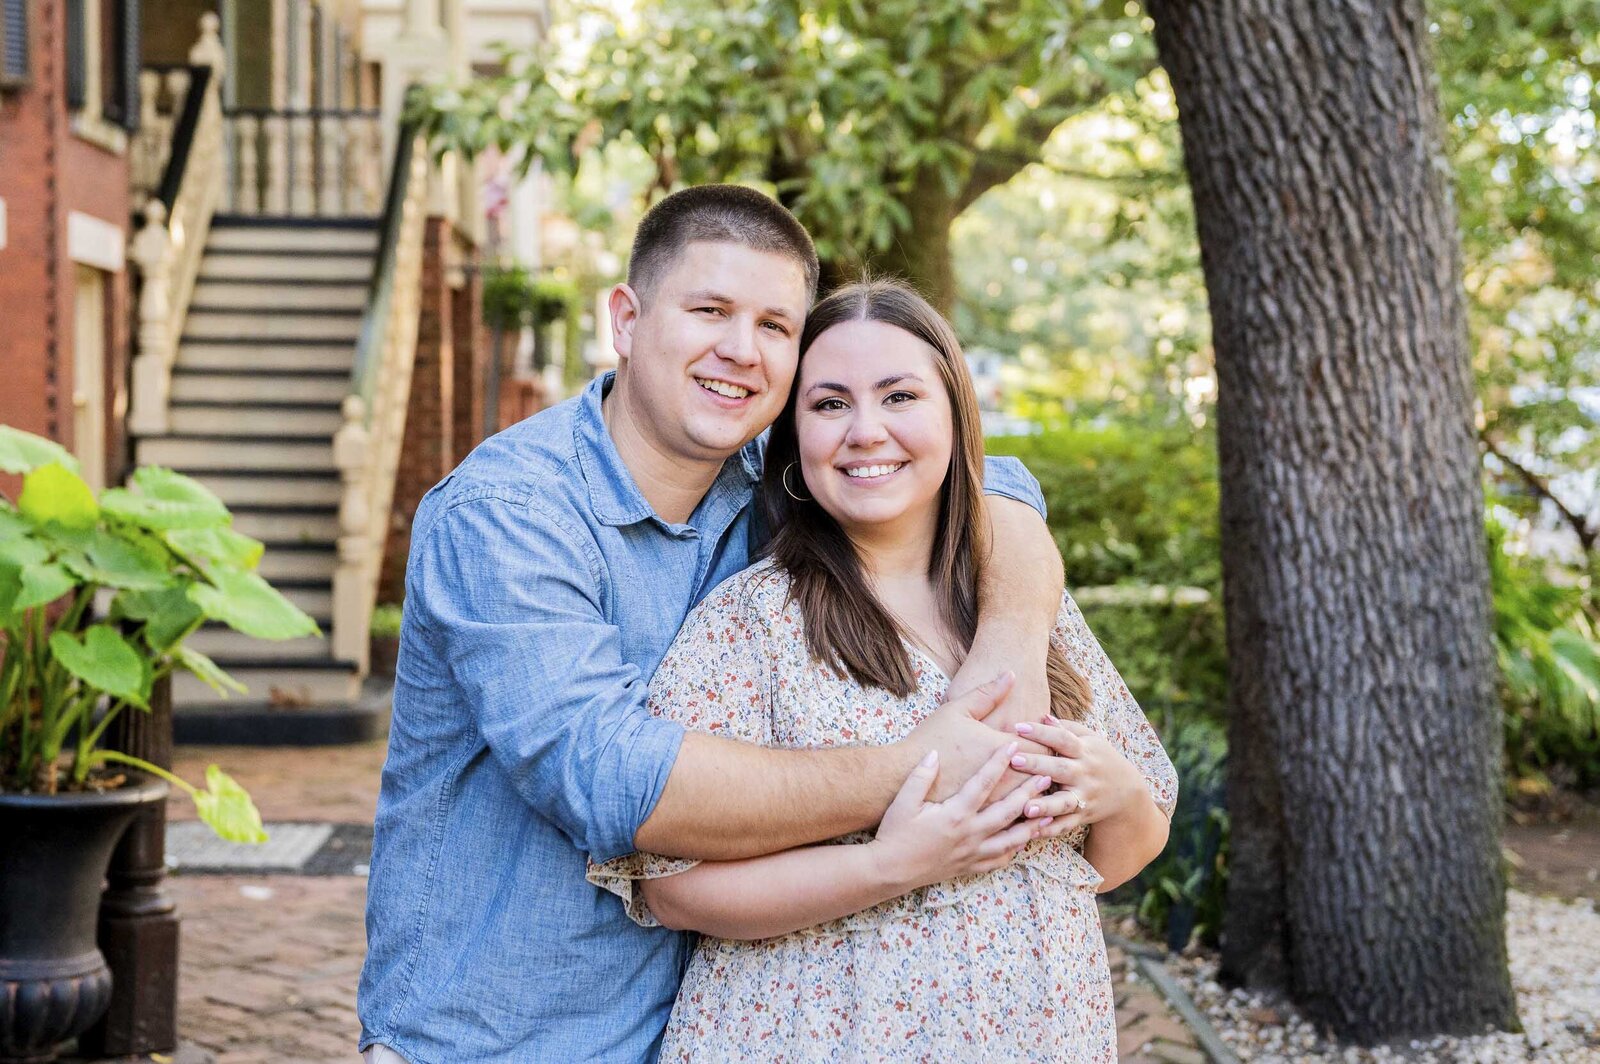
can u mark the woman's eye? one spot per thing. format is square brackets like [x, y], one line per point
[898, 397]
[830, 405]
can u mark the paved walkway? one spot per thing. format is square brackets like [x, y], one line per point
[269, 963]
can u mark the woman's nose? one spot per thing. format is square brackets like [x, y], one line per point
[866, 429]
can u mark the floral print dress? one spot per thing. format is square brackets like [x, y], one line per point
[1008, 965]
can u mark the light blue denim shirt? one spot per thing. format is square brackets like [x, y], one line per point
[541, 593]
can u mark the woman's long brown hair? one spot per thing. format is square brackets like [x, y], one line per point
[846, 626]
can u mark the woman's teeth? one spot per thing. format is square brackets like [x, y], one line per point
[732, 391]
[861, 472]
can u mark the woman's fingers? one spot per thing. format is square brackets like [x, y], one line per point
[1007, 810]
[1000, 846]
[914, 791]
[1064, 738]
[976, 790]
[1064, 802]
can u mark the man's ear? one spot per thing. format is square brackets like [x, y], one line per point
[625, 308]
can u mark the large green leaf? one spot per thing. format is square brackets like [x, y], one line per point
[23, 452]
[218, 546]
[12, 524]
[165, 500]
[55, 493]
[167, 613]
[228, 809]
[105, 661]
[21, 550]
[208, 671]
[10, 585]
[116, 562]
[248, 604]
[42, 583]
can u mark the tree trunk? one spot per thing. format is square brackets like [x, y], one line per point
[922, 254]
[1365, 739]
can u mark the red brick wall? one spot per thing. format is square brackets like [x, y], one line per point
[471, 360]
[46, 172]
[427, 453]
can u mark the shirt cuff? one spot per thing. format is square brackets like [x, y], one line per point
[650, 752]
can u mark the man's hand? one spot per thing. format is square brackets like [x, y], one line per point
[959, 731]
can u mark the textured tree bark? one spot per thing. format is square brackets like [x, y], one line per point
[1365, 740]
[921, 255]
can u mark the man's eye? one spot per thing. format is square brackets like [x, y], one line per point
[777, 327]
[708, 310]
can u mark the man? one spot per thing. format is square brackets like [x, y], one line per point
[548, 575]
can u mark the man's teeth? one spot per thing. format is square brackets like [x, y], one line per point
[872, 470]
[732, 391]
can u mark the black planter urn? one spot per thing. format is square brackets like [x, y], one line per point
[54, 849]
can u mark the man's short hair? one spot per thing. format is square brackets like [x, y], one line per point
[717, 213]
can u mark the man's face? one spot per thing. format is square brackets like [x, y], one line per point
[711, 353]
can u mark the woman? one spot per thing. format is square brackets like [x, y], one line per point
[959, 931]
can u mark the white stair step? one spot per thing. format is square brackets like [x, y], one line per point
[301, 238]
[288, 527]
[226, 644]
[288, 491]
[184, 453]
[279, 564]
[250, 266]
[289, 358]
[317, 601]
[254, 421]
[282, 388]
[286, 296]
[299, 686]
[205, 323]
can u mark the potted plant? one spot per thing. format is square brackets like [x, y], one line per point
[97, 597]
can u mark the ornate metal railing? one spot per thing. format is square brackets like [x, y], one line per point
[178, 208]
[316, 163]
[367, 446]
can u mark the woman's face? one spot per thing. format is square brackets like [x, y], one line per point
[874, 426]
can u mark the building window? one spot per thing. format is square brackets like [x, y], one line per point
[13, 43]
[103, 60]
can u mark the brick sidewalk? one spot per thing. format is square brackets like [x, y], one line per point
[269, 964]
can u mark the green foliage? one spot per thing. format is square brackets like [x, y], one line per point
[386, 621]
[163, 555]
[1135, 505]
[514, 298]
[1547, 641]
[853, 112]
[1179, 895]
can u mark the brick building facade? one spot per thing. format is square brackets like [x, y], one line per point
[64, 199]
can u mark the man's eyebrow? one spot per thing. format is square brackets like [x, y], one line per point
[709, 295]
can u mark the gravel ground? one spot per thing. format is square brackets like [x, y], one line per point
[1555, 967]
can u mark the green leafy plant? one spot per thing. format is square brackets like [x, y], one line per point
[96, 599]
[1178, 896]
[1547, 640]
[385, 622]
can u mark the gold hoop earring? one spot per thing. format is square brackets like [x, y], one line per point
[787, 488]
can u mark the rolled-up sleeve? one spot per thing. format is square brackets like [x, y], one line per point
[1005, 475]
[511, 598]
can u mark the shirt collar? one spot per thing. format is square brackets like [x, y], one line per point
[613, 495]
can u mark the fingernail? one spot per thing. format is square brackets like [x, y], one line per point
[1046, 821]
[930, 759]
[1024, 729]
[1012, 749]
[1033, 810]
[1019, 761]
[1041, 782]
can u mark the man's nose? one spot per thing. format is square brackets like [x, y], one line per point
[738, 343]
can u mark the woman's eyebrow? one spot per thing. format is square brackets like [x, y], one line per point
[887, 382]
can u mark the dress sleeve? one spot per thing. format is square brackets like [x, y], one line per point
[716, 679]
[1115, 713]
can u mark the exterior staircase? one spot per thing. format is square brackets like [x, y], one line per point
[263, 363]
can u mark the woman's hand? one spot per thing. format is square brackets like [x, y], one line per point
[1094, 782]
[921, 842]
